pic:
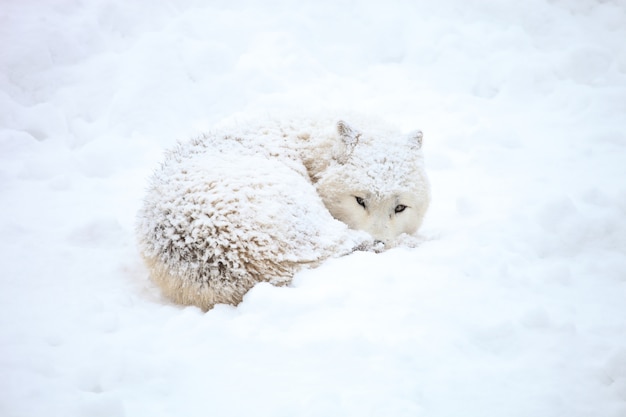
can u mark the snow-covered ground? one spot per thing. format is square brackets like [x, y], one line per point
[514, 306]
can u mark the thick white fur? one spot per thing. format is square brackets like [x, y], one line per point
[258, 201]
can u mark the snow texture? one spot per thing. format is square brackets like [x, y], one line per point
[513, 305]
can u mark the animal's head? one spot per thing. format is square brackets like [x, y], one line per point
[377, 182]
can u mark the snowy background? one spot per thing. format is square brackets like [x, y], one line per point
[514, 306]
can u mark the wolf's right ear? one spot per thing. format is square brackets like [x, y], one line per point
[415, 138]
[350, 138]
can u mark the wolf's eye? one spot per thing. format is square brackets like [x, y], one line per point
[360, 201]
[400, 208]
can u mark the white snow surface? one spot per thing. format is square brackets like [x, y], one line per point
[514, 304]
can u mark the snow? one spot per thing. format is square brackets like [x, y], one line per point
[514, 304]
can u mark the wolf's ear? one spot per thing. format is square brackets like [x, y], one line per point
[415, 139]
[350, 138]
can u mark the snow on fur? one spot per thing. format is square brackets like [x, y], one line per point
[259, 201]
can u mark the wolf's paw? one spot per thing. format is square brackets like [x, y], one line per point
[375, 246]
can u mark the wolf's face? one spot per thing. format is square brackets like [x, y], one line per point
[378, 184]
[383, 217]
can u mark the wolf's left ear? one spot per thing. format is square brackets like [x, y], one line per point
[415, 139]
[349, 136]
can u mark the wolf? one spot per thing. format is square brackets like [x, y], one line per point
[257, 201]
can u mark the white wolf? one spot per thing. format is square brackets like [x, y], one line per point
[258, 201]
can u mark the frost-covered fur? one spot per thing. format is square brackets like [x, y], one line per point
[258, 201]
